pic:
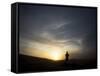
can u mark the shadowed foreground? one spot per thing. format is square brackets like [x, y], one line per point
[35, 64]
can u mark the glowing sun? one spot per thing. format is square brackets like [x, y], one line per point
[56, 56]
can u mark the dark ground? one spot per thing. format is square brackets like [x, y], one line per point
[35, 64]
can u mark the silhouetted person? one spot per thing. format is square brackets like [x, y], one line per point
[67, 56]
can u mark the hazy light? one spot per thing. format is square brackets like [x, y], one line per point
[49, 51]
[56, 55]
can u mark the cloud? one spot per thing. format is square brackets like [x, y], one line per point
[59, 27]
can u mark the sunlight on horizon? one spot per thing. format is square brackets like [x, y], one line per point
[56, 56]
[49, 51]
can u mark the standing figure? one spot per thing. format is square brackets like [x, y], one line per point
[67, 56]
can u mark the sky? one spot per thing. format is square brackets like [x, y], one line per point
[48, 31]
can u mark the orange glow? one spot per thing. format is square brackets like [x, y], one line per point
[49, 51]
[56, 55]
